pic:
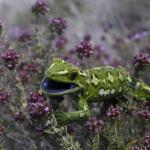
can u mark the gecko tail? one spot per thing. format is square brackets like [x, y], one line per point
[142, 91]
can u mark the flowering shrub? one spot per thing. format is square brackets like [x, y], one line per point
[113, 112]
[4, 97]
[10, 58]
[24, 36]
[40, 7]
[38, 106]
[27, 116]
[94, 125]
[57, 25]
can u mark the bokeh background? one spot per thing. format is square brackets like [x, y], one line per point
[85, 17]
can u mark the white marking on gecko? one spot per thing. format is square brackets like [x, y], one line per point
[63, 72]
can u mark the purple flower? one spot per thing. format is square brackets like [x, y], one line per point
[146, 49]
[113, 112]
[94, 125]
[38, 110]
[146, 141]
[40, 7]
[26, 72]
[61, 42]
[84, 48]
[4, 97]
[58, 25]
[24, 76]
[38, 106]
[10, 58]
[71, 128]
[144, 144]
[19, 117]
[24, 36]
[140, 61]
[36, 97]
[31, 67]
[145, 114]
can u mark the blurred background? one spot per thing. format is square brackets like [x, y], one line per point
[85, 16]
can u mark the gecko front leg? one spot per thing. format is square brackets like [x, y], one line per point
[68, 117]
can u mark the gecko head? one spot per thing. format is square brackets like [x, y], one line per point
[61, 78]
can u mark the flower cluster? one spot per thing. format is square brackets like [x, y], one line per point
[71, 128]
[19, 117]
[4, 97]
[24, 76]
[40, 7]
[145, 144]
[61, 41]
[2, 129]
[58, 25]
[38, 106]
[31, 67]
[113, 112]
[145, 114]
[146, 141]
[94, 125]
[84, 48]
[24, 36]
[25, 72]
[141, 60]
[10, 58]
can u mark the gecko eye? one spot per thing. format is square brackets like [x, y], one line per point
[73, 75]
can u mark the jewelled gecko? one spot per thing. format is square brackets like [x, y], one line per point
[92, 85]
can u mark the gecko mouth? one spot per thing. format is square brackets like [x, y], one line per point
[52, 87]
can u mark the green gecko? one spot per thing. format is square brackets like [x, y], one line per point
[93, 85]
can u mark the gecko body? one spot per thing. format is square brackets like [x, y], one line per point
[92, 85]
